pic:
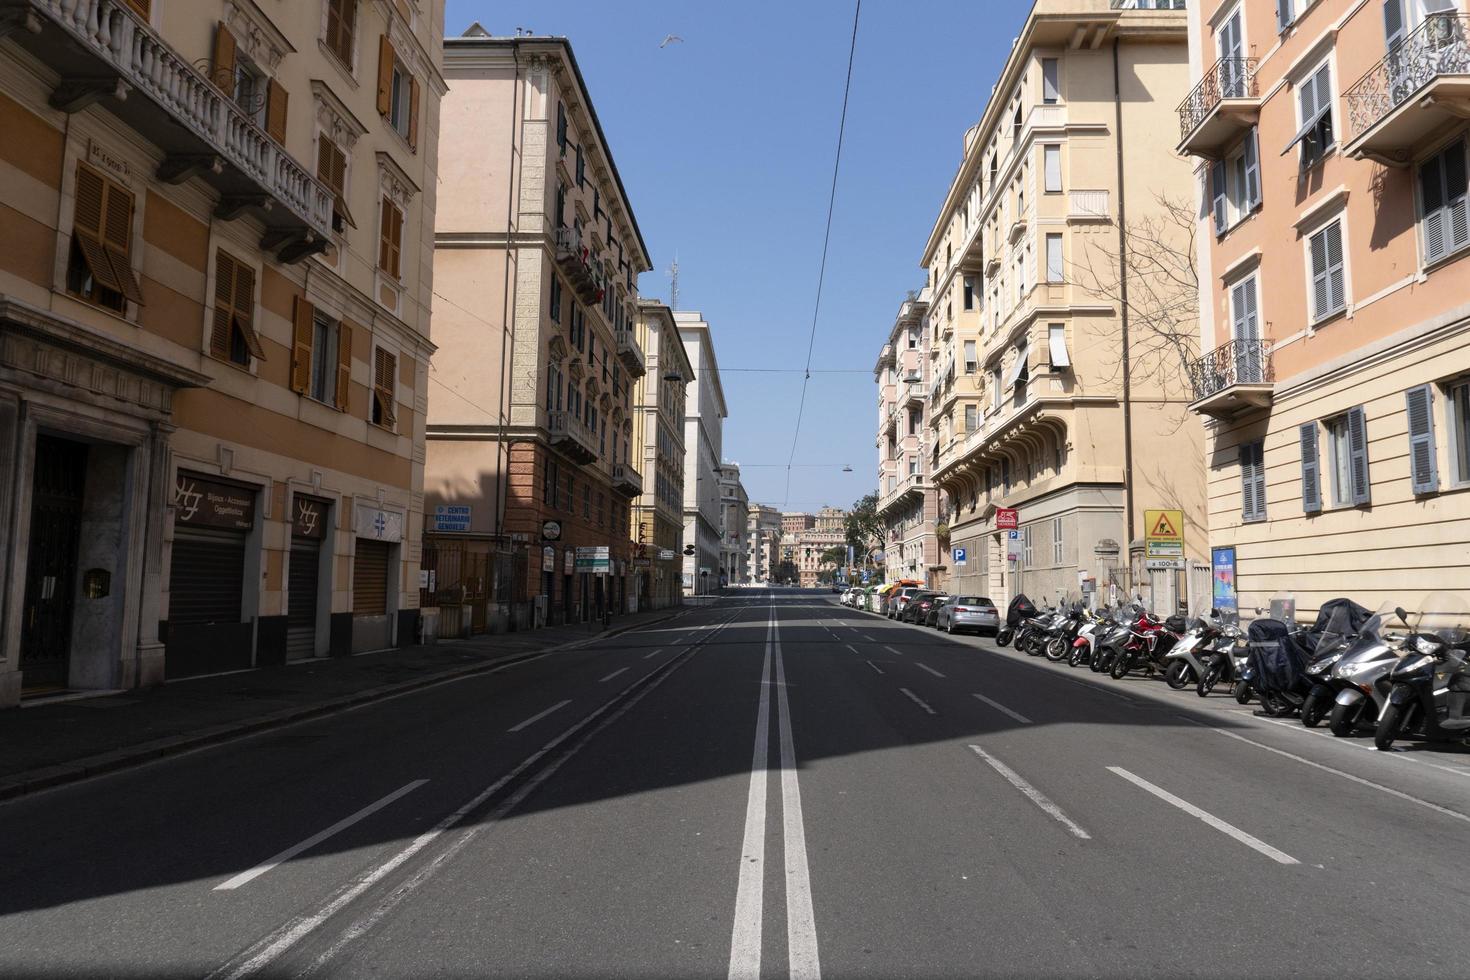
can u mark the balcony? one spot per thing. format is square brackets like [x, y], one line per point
[914, 393]
[626, 479]
[1233, 378]
[630, 353]
[1087, 205]
[1413, 94]
[1221, 108]
[575, 260]
[104, 53]
[570, 435]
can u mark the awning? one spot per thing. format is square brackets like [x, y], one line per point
[1017, 368]
[1057, 340]
[1307, 128]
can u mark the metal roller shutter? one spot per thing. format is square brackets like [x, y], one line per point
[301, 598]
[207, 576]
[370, 578]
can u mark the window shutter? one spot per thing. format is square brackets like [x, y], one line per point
[1423, 466]
[91, 221]
[1455, 187]
[1358, 454]
[1284, 15]
[1320, 293]
[1050, 91]
[91, 189]
[303, 323]
[1252, 171]
[224, 61]
[1311, 470]
[117, 240]
[245, 308]
[386, 57]
[341, 14]
[384, 235]
[1337, 297]
[344, 366]
[1252, 481]
[413, 113]
[224, 300]
[1054, 271]
[385, 366]
[396, 241]
[1393, 23]
[275, 111]
[1053, 160]
[1217, 195]
[141, 8]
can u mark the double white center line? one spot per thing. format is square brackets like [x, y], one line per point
[801, 929]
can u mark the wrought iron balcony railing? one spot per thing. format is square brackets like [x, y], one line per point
[1439, 46]
[1228, 78]
[1239, 362]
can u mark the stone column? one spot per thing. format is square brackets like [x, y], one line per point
[12, 555]
[147, 667]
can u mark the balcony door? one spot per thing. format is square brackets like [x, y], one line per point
[1246, 332]
[1232, 57]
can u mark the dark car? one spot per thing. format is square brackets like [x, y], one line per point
[917, 607]
[931, 618]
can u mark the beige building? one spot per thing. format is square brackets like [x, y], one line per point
[658, 446]
[1053, 399]
[1331, 144]
[908, 502]
[214, 333]
[734, 517]
[806, 537]
[531, 425]
[763, 525]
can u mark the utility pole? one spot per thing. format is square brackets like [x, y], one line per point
[674, 284]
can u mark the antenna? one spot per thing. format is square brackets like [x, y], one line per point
[674, 283]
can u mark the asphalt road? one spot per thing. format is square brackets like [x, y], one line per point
[769, 786]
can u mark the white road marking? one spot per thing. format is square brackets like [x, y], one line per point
[917, 700]
[875, 666]
[245, 877]
[653, 653]
[745, 938]
[1032, 793]
[868, 638]
[535, 718]
[928, 668]
[1229, 830]
[801, 923]
[893, 651]
[1003, 709]
[1347, 743]
[853, 649]
[612, 675]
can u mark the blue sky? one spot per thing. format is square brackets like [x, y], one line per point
[725, 144]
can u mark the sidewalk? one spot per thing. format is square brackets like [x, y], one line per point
[49, 744]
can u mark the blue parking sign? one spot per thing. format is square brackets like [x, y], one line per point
[960, 555]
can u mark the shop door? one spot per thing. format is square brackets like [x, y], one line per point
[205, 604]
[51, 565]
[370, 578]
[301, 598]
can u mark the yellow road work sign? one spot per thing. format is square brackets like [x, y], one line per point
[1163, 533]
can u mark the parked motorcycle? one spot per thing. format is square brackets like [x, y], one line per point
[1150, 640]
[1184, 663]
[1064, 628]
[1429, 695]
[1226, 660]
[1110, 641]
[1018, 611]
[1347, 633]
[1281, 652]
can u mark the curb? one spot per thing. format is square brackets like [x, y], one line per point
[61, 773]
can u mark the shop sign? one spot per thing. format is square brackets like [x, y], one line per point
[1007, 519]
[548, 559]
[570, 565]
[205, 503]
[596, 560]
[378, 524]
[666, 554]
[452, 517]
[309, 518]
[551, 530]
[1163, 534]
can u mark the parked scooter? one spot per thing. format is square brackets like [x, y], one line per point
[1084, 645]
[1226, 660]
[1064, 628]
[1348, 633]
[1281, 652]
[1430, 693]
[1184, 663]
[1359, 680]
[1111, 641]
[1018, 611]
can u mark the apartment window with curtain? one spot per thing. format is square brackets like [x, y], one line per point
[1347, 442]
[1329, 283]
[1457, 415]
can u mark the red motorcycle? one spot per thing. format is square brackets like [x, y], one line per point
[1148, 640]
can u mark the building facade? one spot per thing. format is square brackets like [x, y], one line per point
[214, 333]
[734, 518]
[531, 424]
[763, 526]
[805, 540]
[908, 501]
[1331, 145]
[1055, 389]
[704, 426]
[658, 445]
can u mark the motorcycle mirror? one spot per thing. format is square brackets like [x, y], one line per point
[1401, 614]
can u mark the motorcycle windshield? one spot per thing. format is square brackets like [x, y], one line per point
[1443, 615]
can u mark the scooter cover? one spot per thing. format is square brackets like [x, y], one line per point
[1019, 609]
[1278, 661]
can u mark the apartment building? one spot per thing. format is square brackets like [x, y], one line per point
[908, 501]
[806, 538]
[704, 426]
[764, 548]
[1330, 140]
[214, 333]
[1059, 399]
[658, 447]
[531, 424]
[734, 516]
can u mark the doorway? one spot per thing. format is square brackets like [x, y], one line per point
[51, 562]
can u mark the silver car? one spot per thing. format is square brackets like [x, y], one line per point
[900, 599]
[968, 612]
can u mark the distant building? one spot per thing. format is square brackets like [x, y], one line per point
[704, 422]
[658, 450]
[763, 548]
[734, 515]
[812, 535]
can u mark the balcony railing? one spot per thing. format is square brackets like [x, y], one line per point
[627, 479]
[630, 353]
[1088, 204]
[571, 435]
[1232, 377]
[102, 50]
[1440, 46]
[1228, 78]
[575, 259]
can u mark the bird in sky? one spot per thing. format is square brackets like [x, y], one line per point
[670, 39]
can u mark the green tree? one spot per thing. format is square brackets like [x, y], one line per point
[864, 528]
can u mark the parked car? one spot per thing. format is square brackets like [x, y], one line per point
[918, 605]
[898, 600]
[851, 597]
[931, 618]
[968, 612]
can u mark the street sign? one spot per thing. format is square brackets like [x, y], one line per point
[666, 554]
[452, 517]
[1163, 564]
[1013, 545]
[548, 559]
[1163, 534]
[594, 559]
[960, 556]
[1007, 518]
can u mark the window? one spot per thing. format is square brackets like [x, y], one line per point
[1054, 258]
[913, 423]
[1442, 185]
[1230, 38]
[1328, 286]
[323, 380]
[385, 376]
[555, 310]
[1252, 481]
[1056, 344]
[559, 214]
[232, 336]
[970, 418]
[970, 362]
[398, 93]
[1285, 14]
[1051, 92]
[1347, 439]
[1458, 416]
[341, 22]
[996, 388]
[321, 357]
[581, 167]
[1244, 317]
[561, 132]
[1056, 540]
[1423, 466]
[100, 267]
[331, 169]
[1311, 469]
[1026, 545]
[390, 239]
[1235, 184]
[1314, 100]
[587, 501]
[968, 301]
[1052, 157]
[548, 483]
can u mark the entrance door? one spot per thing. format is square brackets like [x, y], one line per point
[1232, 52]
[51, 565]
[301, 598]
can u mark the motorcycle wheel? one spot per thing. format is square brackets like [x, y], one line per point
[1209, 678]
[1118, 669]
[1002, 638]
[1242, 692]
[1056, 649]
[1390, 725]
[1344, 719]
[1098, 661]
[1314, 709]
[1274, 706]
[1075, 660]
[1177, 676]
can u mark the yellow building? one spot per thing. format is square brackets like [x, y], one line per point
[1331, 140]
[214, 328]
[658, 451]
[1057, 385]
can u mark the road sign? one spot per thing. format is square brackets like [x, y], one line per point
[1163, 535]
[666, 554]
[1163, 564]
[1007, 518]
[960, 556]
[1013, 545]
[594, 559]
